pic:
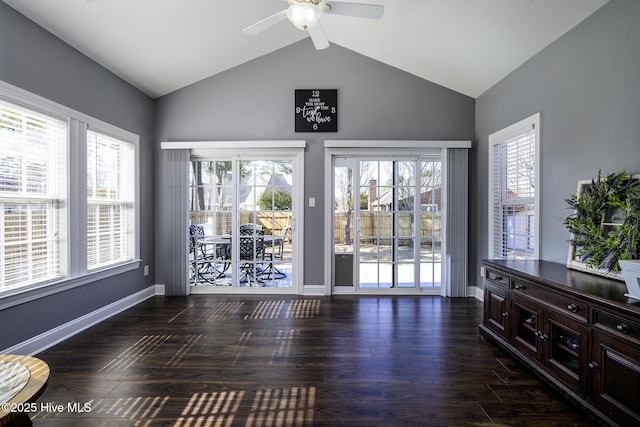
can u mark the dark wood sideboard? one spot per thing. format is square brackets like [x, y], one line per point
[575, 330]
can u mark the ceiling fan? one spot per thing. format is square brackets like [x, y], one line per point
[306, 15]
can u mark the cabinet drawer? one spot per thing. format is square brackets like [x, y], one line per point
[616, 324]
[498, 278]
[564, 304]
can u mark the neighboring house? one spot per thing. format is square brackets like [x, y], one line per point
[430, 201]
[252, 187]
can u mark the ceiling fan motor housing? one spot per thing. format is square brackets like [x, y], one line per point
[316, 2]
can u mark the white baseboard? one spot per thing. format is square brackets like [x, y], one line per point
[475, 292]
[56, 335]
[314, 290]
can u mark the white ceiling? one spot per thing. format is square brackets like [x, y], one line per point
[160, 46]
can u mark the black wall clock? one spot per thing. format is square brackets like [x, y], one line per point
[316, 110]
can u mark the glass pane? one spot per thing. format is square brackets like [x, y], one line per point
[210, 248]
[382, 224]
[368, 273]
[25, 262]
[565, 348]
[385, 275]
[527, 324]
[430, 263]
[264, 205]
[110, 200]
[430, 274]
[391, 194]
[344, 197]
[406, 275]
[32, 194]
[405, 224]
[430, 178]
[368, 250]
[405, 186]
[514, 194]
[265, 202]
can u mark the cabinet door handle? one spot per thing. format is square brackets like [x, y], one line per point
[594, 366]
[541, 335]
[623, 327]
[519, 287]
[498, 278]
[573, 307]
[505, 315]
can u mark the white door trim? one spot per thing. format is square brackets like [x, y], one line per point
[259, 150]
[359, 148]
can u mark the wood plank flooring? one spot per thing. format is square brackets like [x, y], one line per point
[294, 361]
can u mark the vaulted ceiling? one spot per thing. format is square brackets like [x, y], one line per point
[160, 46]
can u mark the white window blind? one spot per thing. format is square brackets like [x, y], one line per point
[32, 196]
[110, 200]
[514, 193]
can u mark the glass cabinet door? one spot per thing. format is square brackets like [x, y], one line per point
[567, 354]
[565, 348]
[526, 328]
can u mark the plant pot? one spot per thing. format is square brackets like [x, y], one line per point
[631, 273]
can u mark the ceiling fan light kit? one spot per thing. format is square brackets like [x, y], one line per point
[306, 16]
[303, 15]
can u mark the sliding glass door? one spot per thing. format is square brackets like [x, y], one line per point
[390, 227]
[242, 224]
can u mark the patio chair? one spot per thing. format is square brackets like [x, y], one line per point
[271, 271]
[203, 260]
[197, 256]
[251, 245]
[277, 241]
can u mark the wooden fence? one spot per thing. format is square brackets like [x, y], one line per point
[371, 223]
[271, 222]
[381, 224]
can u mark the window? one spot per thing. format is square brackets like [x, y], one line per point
[514, 190]
[32, 196]
[110, 200]
[68, 197]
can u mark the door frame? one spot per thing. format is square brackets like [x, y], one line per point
[234, 150]
[391, 149]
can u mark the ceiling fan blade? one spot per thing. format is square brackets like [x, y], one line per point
[318, 37]
[360, 10]
[266, 23]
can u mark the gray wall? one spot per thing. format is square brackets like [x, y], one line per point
[587, 87]
[256, 100]
[38, 62]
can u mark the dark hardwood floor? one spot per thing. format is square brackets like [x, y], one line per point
[294, 361]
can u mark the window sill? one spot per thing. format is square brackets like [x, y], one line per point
[18, 296]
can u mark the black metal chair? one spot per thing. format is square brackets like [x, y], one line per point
[271, 272]
[251, 245]
[278, 242]
[203, 261]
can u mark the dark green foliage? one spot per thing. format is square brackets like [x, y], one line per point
[600, 246]
[277, 200]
